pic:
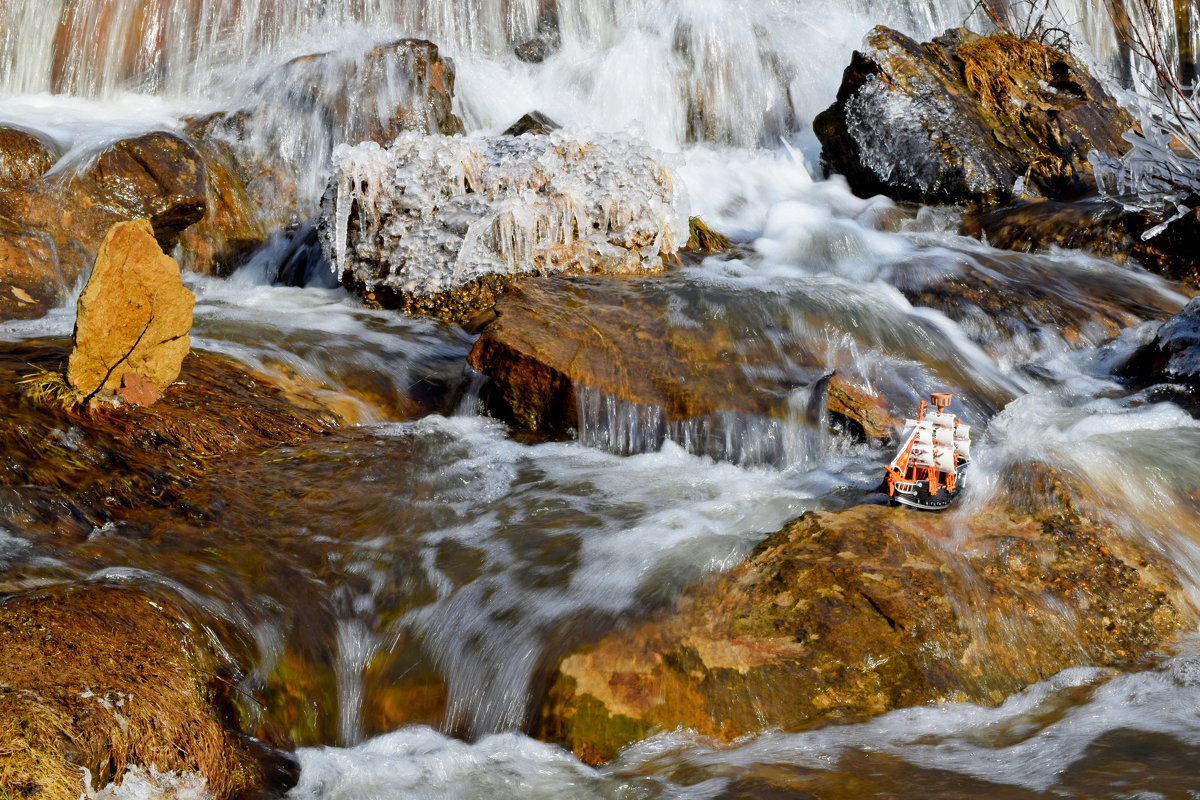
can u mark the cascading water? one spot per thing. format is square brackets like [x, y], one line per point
[426, 571]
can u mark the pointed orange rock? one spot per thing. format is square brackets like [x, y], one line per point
[134, 316]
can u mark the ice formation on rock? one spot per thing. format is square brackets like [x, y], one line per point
[432, 214]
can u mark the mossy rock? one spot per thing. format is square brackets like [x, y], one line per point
[103, 678]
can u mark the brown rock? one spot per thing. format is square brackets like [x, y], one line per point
[134, 314]
[136, 389]
[617, 337]
[238, 215]
[29, 279]
[1103, 228]
[961, 118]
[24, 155]
[158, 176]
[51, 228]
[105, 678]
[845, 615]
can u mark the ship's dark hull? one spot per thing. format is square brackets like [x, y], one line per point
[925, 501]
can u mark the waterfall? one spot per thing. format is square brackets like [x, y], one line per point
[735, 72]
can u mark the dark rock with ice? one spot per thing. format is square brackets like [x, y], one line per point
[845, 615]
[1174, 354]
[977, 120]
[437, 225]
[534, 122]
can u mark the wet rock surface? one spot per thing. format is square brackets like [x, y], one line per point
[51, 229]
[1099, 227]
[962, 118]
[89, 468]
[134, 319]
[25, 155]
[105, 678]
[438, 225]
[845, 615]
[632, 341]
[1002, 299]
[1174, 354]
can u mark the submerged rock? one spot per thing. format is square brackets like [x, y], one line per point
[134, 318]
[100, 464]
[1104, 228]
[438, 225]
[967, 119]
[105, 678]
[845, 615]
[569, 353]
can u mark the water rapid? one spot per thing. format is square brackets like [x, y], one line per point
[425, 568]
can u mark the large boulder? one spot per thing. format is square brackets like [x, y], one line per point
[51, 228]
[1101, 227]
[845, 615]
[310, 105]
[102, 679]
[567, 353]
[437, 225]
[964, 118]
[134, 318]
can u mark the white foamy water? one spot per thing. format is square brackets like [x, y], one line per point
[1035, 741]
[485, 555]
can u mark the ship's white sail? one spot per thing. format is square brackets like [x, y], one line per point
[924, 435]
[963, 432]
[944, 460]
[964, 448]
[943, 437]
[922, 456]
[940, 420]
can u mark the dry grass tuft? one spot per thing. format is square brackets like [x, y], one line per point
[1006, 72]
[50, 388]
[33, 738]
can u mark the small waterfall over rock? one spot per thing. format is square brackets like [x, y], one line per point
[715, 70]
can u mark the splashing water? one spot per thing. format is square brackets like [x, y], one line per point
[443, 553]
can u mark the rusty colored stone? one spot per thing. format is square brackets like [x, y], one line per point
[552, 335]
[134, 315]
[842, 616]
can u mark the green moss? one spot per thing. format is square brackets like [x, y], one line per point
[704, 239]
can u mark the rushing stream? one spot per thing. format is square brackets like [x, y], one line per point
[424, 574]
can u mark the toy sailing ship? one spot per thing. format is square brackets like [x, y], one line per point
[927, 473]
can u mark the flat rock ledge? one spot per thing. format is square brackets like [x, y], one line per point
[439, 225]
[637, 361]
[842, 616]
